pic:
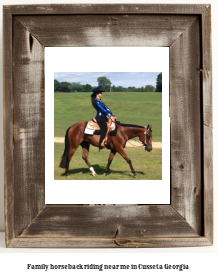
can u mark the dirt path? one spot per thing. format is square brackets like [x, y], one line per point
[156, 145]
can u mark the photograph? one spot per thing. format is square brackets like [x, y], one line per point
[103, 125]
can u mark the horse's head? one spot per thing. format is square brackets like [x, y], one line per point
[146, 138]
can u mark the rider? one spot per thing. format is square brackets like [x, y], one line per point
[103, 115]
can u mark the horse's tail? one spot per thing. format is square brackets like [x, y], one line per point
[64, 160]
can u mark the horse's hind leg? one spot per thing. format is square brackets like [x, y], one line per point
[111, 156]
[85, 150]
[124, 155]
[71, 152]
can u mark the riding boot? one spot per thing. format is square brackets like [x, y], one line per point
[103, 144]
[105, 141]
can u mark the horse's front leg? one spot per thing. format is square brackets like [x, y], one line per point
[111, 156]
[122, 152]
[131, 167]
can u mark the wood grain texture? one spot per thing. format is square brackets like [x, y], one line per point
[185, 114]
[207, 67]
[208, 183]
[8, 125]
[109, 222]
[107, 30]
[34, 242]
[106, 9]
[207, 122]
[29, 139]
[184, 28]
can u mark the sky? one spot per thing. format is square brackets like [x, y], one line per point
[125, 79]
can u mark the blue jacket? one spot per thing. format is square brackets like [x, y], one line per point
[102, 109]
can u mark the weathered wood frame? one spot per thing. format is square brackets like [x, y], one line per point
[186, 29]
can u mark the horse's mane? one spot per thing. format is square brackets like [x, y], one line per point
[129, 125]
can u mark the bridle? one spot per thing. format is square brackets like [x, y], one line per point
[145, 137]
[143, 144]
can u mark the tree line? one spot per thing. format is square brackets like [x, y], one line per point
[106, 86]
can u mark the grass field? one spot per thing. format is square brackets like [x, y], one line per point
[148, 166]
[131, 108]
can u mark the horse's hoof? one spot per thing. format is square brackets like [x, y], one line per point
[135, 176]
[92, 171]
[106, 174]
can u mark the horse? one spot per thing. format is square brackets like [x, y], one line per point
[75, 136]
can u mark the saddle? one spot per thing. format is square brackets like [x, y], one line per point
[92, 126]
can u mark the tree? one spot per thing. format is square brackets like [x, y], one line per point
[104, 83]
[113, 88]
[61, 86]
[131, 89]
[159, 83]
[75, 87]
[120, 89]
[149, 88]
[87, 88]
[65, 89]
[56, 84]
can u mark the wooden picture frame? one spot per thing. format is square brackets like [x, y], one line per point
[186, 30]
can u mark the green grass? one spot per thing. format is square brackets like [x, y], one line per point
[148, 166]
[131, 108]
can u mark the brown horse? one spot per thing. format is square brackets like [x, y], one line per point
[75, 136]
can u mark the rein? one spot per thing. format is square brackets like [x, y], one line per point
[132, 138]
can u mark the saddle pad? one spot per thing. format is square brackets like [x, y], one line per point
[88, 131]
[93, 128]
